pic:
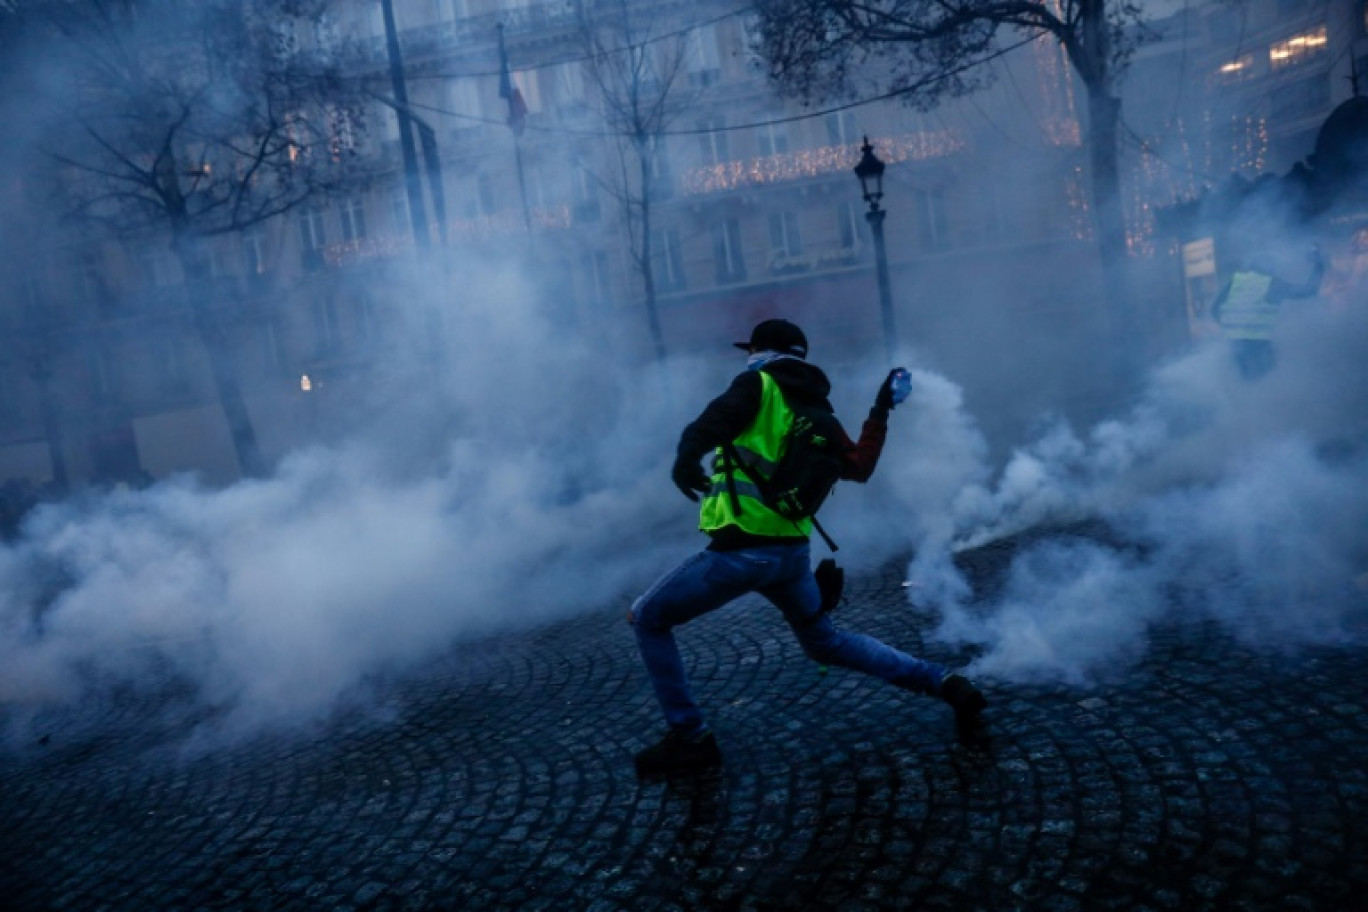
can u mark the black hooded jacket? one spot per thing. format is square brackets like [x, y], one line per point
[730, 414]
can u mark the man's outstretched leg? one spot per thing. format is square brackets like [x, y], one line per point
[800, 601]
[704, 582]
[823, 642]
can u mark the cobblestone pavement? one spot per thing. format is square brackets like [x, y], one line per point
[500, 777]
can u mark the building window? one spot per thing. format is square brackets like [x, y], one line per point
[928, 206]
[1297, 49]
[443, 10]
[563, 88]
[311, 238]
[534, 182]
[667, 259]
[171, 373]
[705, 66]
[326, 330]
[254, 250]
[586, 196]
[157, 268]
[367, 325]
[848, 226]
[727, 253]
[596, 276]
[784, 241]
[104, 375]
[481, 202]
[772, 139]
[661, 183]
[713, 148]
[529, 85]
[464, 102]
[399, 210]
[220, 261]
[842, 130]
[995, 216]
[353, 220]
[272, 346]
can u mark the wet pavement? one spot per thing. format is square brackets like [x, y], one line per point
[1204, 777]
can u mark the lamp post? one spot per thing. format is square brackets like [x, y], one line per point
[870, 172]
[422, 235]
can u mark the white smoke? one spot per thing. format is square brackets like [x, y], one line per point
[1243, 501]
[523, 476]
[277, 598]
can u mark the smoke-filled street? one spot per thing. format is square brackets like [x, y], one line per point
[1206, 776]
[414, 420]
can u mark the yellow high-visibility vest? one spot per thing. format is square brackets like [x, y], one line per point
[1247, 312]
[761, 446]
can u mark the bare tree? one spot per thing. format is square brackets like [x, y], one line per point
[931, 49]
[641, 88]
[183, 121]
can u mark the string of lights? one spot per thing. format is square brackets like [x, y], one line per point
[813, 162]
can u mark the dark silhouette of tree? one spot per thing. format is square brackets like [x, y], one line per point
[179, 122]
[641, 88]
[931, 49]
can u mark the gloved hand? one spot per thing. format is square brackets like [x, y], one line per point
[690, 478]
[884, 400]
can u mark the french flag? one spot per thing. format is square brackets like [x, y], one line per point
[509, 91]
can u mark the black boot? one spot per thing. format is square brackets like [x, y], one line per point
[678, 751]
[964, 698]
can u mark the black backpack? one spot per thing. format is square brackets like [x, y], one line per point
[806, 472]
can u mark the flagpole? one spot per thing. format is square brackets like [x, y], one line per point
[516, 112]
[522, 182]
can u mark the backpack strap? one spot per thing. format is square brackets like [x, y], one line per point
[734, 462]
[729, 467]
[822, 532]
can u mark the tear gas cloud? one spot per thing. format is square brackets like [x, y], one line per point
[1244, 502]
[281, 597]
[278, 596]
[530, 482]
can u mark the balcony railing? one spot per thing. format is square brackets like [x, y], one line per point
[460, 34]
[444, 36]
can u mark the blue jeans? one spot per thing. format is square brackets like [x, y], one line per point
[782, 574]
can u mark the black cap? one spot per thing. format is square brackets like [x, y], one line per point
[777, 336]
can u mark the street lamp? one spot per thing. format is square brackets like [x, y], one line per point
[870, 172]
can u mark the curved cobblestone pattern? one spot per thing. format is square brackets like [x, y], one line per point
[1205, 777]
